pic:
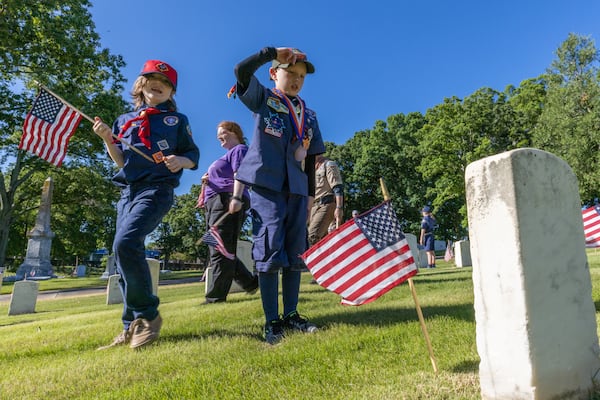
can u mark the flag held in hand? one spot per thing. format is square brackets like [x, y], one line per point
[364, 258]
[48, 127]
[213, 238]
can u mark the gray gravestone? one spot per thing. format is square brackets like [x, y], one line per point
[154, 266]
[113, 290]
[244, 254]
[80, 271]
[111, 267]
[535, 318]
[414, 249]
[462, 253]
[37, 260]
[23, 298]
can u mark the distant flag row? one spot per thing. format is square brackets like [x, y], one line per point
[364, 258]
[591, 226]
[48, 127]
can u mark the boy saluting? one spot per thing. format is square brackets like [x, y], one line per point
[280, 168]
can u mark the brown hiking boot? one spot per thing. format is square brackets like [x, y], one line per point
[122, 338]
[144, 332]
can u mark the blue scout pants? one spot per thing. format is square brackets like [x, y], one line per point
[278, 229]
[139, 211]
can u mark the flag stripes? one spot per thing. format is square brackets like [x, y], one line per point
[213, 238]
[591, 226]
[347, 262]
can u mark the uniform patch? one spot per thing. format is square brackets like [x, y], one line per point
[274, 125]
[189, 129]
[158, 157]
[171, 120]
[163, 144]
[277, 105]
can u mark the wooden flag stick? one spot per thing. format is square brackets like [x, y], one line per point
[92, 121]
[386, 196]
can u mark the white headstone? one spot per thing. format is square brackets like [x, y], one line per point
[23, 298]
[113, 290]
[536, 321]
[462, 253]
[154, 266]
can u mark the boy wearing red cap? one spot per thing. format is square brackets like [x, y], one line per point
[280, 168]
[161, 133]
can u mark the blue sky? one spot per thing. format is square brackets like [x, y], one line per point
[373, 59]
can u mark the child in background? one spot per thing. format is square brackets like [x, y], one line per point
[280, 168]
[163, 135]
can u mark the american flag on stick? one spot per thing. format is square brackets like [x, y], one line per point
[591, 226]
[364, 258]
[48, 127]
[213, 238]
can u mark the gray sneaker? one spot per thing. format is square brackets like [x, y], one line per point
[122, 338]
[144, 332]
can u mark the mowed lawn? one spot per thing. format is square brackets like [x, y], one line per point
[375, 351]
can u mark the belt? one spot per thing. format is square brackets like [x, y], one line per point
[328, 198]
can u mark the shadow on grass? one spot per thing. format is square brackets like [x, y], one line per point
[466, 367]
[368, 316]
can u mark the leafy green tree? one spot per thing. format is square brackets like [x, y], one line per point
[181, 229]
[569, 124]
[52, 42]
[457, 133]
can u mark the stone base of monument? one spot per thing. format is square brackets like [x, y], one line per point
[23, 298]
[244, 253]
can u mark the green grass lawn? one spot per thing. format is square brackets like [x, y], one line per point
[375, 351]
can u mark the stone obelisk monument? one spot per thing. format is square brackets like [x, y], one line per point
[37, 261]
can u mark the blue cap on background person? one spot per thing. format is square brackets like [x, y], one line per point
[426, 209]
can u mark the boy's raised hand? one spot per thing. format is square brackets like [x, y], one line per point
[287, 55]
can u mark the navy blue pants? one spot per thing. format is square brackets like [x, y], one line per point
[139, 211]
[278, 229]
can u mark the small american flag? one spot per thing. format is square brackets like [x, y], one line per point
[591, 226]
[213, 238]
[364, 258]
[48, 127]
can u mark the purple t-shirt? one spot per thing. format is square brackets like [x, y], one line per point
[220, 172]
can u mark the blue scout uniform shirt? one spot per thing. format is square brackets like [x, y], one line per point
[429, 224]
[170, 133]
[270, 161]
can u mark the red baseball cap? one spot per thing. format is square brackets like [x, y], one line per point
[160, 67]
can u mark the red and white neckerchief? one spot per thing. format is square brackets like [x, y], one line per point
[298, 120]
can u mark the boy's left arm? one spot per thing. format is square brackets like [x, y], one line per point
[188, 153]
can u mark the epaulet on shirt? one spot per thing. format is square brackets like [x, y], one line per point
[330, 163]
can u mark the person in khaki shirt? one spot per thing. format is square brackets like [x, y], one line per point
[328, 205]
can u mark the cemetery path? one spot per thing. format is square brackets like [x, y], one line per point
[63, 294]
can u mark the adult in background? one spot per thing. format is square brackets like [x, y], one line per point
[427, 240]
[328, 206]
[217, 193]
[162, 134]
